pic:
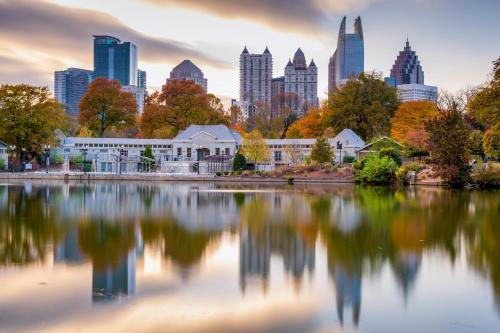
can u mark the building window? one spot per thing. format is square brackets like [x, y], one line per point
[188, 152]
[217, 151]
[179, 151]
[228, 152]
[277, 156]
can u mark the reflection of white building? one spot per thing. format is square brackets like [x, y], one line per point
[198, 145]
[4, 154]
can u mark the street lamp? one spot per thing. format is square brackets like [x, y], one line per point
[84, 152]
[46, 149]
[339, 147]
[198, 158]
[121, 151]
[12, 149]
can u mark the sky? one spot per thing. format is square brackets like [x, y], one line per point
[456, 40]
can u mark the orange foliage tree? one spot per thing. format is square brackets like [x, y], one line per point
[106, 106]
[408, 123]
[180, 104]
[312, 125]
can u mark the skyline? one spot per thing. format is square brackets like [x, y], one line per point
[456, 34]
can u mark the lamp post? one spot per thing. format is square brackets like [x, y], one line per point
[46, 149]
[84, 152]
[121, 151]
[339, 147]
[198, 158]
[12, 149]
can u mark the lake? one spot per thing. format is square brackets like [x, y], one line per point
[202, 257]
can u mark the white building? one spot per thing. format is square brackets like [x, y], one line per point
[139, 95]
[203, 148]
[417, 92]
[256, 73]
[302, 80]
[4, 154]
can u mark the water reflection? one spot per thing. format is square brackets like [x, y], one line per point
[361, 232]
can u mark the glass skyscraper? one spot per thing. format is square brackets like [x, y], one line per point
[115, 60]
[349, 58]
[69, 87]
[407, 68]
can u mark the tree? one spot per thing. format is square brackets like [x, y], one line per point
[293, 152]
[407, 125]
[484, 106]
[239, 162]
[85, 132]
[364, 104]
[476, 143]
[106, 106]
[148, 153]
[271, 124]
[29, 117]
[448, 142]
[378, 170]
[491, 142]
[312, 125]
[180, 104]
[254, 147]
[322, 151]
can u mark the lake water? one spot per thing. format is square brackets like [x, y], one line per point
[179, 257]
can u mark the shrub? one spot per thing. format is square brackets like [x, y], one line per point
[239, 162]
[227, 173]
[378, 170]
[404, 169]
[348, 159]
[392, 153]
[2, 164]
[57, 159]
[359, 164]
[218, 173]
[487, 177]
[77, 160]
[322, 151]
[307, 159]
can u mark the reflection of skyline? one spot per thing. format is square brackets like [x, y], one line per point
[348, 292]
[112, 282]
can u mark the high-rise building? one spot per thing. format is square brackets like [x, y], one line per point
[407, 68]
[256, 73]
[277, 86]
[349, 58]
[141, 79]
[115, 60]
[139, 95]
[417, 92]
[302, 80]
[69, 87]
[186, 70]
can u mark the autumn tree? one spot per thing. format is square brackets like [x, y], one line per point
[312, 125]
[180, 104]
[448, 142]
[364, 104]
[322, 151]
[270, 124]
[491, 141]
[293, 152]
[85, 132]
[106, 106]
[29, 117]
[254, 147]
[408, 123]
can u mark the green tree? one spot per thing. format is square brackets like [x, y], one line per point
[476, 143]
[364, 104]
[239, 162]
[106, 106]
[448, 142]
[29, 117]
[180, 103]
[254, 147]
[148, 153]
[491, 143]
[392, 153]
[378, 170]
[322, 151]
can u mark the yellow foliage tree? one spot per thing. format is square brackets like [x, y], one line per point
[408, 123]
[254, 147]
[85, 132]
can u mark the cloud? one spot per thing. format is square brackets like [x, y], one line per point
[46, 31]
[302, 16]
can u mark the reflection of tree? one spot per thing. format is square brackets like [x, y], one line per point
[105, 242]
[27, 225]
[184, 247]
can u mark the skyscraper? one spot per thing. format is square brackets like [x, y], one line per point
[141, 79]
[115, 60]
[302, 80]
[406, 68]
[349, 58]
[186, 70]
[69, 87]
[256, 73]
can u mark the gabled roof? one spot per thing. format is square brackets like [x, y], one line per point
[378, 140]
[3, 144]
[349, 135]
[219, 132]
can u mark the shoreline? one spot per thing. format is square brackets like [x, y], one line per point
[178, 178]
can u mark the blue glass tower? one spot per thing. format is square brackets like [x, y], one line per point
[115, 60]
[69, 87]
[349, 58]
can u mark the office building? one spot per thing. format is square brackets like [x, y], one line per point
[186, 70]
[115, 60]
[141, 79]
[256, 73]
[139, 95]
[417, 92]
[69, 87]
[302, 80]
[349, 59]
[407, 68]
